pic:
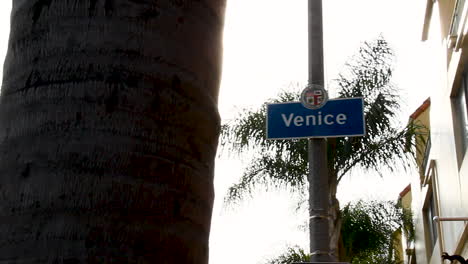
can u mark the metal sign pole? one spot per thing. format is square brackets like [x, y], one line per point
[318, 172]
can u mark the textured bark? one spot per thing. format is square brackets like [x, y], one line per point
[335, 219]
[108, 131]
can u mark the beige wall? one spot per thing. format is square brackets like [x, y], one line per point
[402, 245]
[451, 181]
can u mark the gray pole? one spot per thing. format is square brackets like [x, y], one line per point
[315, 42]
[318, 171]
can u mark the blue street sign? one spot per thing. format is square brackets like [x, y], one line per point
[337, 118]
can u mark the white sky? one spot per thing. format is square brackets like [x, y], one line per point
[265, 48]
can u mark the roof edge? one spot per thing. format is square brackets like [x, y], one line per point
[405, 191]
[421, 109]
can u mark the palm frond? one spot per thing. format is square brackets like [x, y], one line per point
[283, 163]
[292, 254]
[272, 169]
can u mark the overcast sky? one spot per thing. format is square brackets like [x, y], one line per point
[265, 44]
[265, 48]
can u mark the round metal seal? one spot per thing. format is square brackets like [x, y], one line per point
[314, 96]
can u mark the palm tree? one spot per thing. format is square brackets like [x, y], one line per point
[283, 163]
[369, 234]
[108, 131]
[293, 254]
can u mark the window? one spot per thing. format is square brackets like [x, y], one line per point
[425, 160]
[430, 209]
[456, 18]
[460, 118]
[429, 213]
[454, 38]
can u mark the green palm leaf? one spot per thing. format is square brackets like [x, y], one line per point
[283, 163]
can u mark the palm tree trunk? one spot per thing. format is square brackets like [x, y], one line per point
[108, 131]
[335, 218]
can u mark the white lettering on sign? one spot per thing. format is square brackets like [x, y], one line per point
[287, 122]
[341, 119]
[298, 120]
[314, 120]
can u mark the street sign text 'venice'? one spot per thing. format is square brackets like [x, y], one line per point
[337, 118]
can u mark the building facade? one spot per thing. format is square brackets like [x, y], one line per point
[440, 190]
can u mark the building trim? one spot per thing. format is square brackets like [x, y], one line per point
[427, 19]
[421, 109]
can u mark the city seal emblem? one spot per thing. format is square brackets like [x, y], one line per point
[314, 96]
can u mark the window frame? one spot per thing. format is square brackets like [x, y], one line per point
[460, 118]
[432, 230]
